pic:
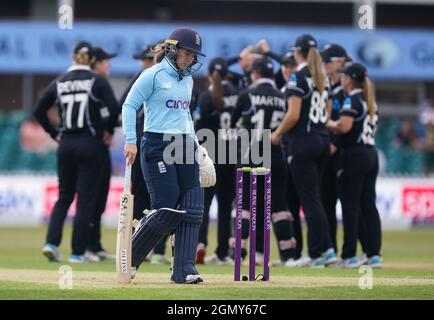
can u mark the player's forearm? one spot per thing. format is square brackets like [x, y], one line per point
[45, 123]
[232, 60]
[129, 123]
[114, 110]
[287, 124]
[40, 114]
[235, 116]
[275, 56]
[329, 108]
[339, 127]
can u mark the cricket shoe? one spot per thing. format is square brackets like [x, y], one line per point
[193, 279]
[200, 253]
[83, 258]
[375, 262]
[337, 265]
[259, 258]
[277, 263]
[190, 279]
[159, 259]
[350, 263]
[102, 255]
[307, 262]
[91, 256]
[302, 261]
[290, 263]
[330, 257]
[105, 256]
[215, 260]
[363, 259]
[317, 263]
[52, 253]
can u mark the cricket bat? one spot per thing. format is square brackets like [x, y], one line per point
[123, 243]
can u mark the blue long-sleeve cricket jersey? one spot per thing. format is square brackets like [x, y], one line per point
[166, 102]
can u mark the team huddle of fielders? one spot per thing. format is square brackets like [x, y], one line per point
[319, 108]
[322, 114]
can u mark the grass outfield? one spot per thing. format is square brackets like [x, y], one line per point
[408, 273]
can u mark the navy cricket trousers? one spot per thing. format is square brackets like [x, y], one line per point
[168, 182]
[78, 167]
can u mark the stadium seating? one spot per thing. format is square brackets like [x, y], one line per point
[16, 160]
[403, 161]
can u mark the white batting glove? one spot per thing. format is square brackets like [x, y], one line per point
[207, 170]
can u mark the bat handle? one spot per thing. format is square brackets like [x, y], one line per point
[127, 180]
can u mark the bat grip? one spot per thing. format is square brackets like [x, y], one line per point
[127, 180]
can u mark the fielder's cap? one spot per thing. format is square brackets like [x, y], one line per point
[101, 55]
[264, 67]
[187, 39]
[288, 58]
[218, 64]
[145, 53]
[304, 42]
[83, 47]
[334, 52]
[355, 71]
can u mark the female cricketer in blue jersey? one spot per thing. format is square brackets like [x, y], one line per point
[175, 188]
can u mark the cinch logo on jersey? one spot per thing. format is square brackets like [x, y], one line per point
[177, 104]
[260, 100]
[74, 86]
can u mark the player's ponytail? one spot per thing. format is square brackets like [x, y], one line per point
[369, 96]
[158, 51]
[82, 58]
[316, 69]
[217, 91]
